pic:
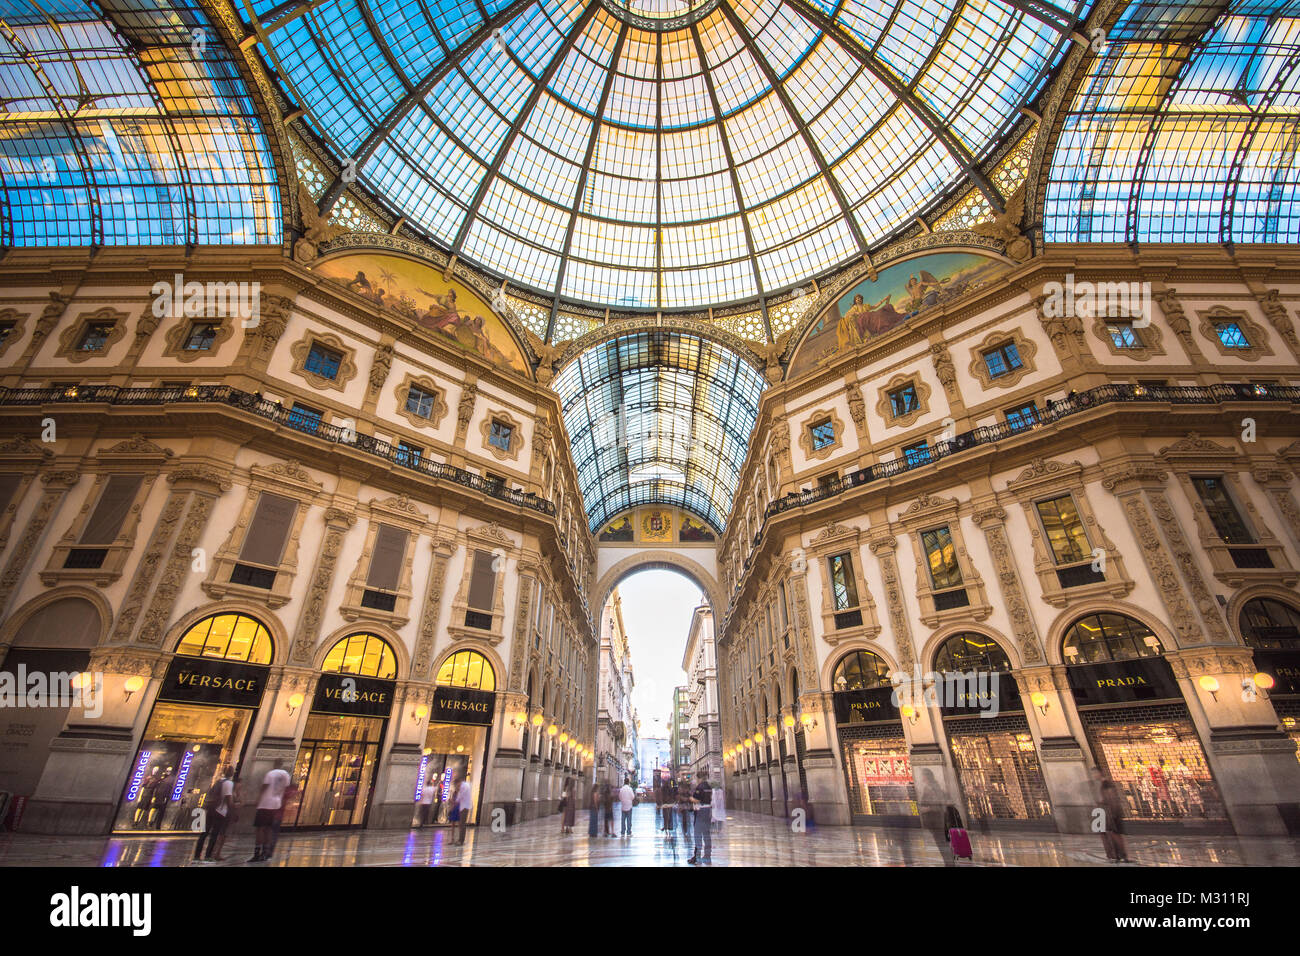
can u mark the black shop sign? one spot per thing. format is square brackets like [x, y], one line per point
[461, 705]
[1283, 667]
[970, 694]
[1123, 682]
[351, 696]
[200, 680]
[863, 706]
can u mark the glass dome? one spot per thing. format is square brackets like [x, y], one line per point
[664, 154]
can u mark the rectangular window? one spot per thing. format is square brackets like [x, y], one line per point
[1064, 529]
[408, 454]
[500, 435]
[1231, 336]
[1002, 359]
[828, 480]
[823, 433]
[483, 581]
[269, 530]
[1022, 416]
[95, 338]
[114, 505]
[386, 558]
[419, 402]
[305, 418]
[322, 361]
[844, 589]
[903, 400]
[201, 338]
[917, 454]
[1227, 520]
[1123, 335]
[941, 555]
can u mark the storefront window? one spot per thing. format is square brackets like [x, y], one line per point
[999, 770]
[1109, 637]
[335, 769]
[1270, 624]
[467, 669]
[199, 724]
[880, 777]
[861, 670]
[234, 637]
[967, 652]
[1158, 764]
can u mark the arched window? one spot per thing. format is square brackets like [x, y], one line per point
[234, 637]
[1109, 637]
[362, 654]
[467, 669]
[860, 670]
[1266, 623]
[968, 651]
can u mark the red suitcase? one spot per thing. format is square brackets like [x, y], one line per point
[959, 839]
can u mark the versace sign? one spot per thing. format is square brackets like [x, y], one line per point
[461, 705]
[199, 680]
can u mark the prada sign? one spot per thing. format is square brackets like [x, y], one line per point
[462, 705]
[351, 696]
[862, 706]
[959, 697]
[201, 680]
[1120, 682]
[1283, 667]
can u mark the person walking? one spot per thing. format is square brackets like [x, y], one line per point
[464, 802]
[428, 793]
[685, 807]
[702, 799]
[958, 837]
[216, 814]
[269, 805]
[607, 806]
[670, 801]
[593, 812]
[1112, 834]
[627, 800]
[719, 807]
[569, 806]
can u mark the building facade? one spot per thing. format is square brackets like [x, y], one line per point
[1096, 518]
[318, 538]
[700, 663]
[615, 726]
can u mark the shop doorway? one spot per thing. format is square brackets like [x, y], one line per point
[456, 744]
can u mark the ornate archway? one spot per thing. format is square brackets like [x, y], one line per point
[661, 560]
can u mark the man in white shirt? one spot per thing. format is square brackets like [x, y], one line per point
[626, 799]
[216, 814]
[427, 795]
[464, 803]
[269, 808]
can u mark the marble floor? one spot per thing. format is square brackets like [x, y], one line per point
[745, 839]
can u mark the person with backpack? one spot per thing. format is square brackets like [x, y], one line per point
[217, 806]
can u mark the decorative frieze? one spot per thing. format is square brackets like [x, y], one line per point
[991, 522]
[179, 565]
[147, 569]
[337, 523]
[423, 659]
[883, 548]
[56, 484]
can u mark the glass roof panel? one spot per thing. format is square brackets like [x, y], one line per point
[688, 114]
[659, 416]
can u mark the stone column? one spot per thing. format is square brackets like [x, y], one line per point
[57, 484]
[827, 793]
[506, 779]
[337, 523]
[422, 660]
[1062, 747]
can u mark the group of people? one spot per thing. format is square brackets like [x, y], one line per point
[701, 807]
[461, 799]
[220, 810]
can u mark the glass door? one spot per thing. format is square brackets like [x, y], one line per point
[334, 772]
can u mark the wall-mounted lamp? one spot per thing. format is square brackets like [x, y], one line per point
[519, 720]
[538, 719]
[133, 684]
[1263, 683]
[293, 703]
[1209, 684]
[1039, 700]
[809, 721]
[553, 729]
[789, 720]
[564, 737]
[420, 712]
[749, 742]
[771, 730]
[908, 711]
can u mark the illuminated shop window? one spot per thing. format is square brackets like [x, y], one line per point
[861, 670]
[234, 637]
[966, 652]
[363, 654]
[1109, 637]
[1270, 624]
[467, 669]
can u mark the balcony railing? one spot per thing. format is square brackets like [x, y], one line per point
[1056, 411]
[279, 414]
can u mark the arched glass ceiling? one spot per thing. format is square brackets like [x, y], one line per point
[127, 134]
[1185, 129]
[613, 156]
[659, 417]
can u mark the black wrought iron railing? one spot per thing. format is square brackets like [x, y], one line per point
[279, 414]
[1055, 411]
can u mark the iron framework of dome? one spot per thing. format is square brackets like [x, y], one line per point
[663, 154]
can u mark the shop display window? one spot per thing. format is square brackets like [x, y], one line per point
[1001, 778]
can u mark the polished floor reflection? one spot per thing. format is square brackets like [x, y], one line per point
[745, 839]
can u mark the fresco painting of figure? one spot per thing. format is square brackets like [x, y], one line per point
[899, 293]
